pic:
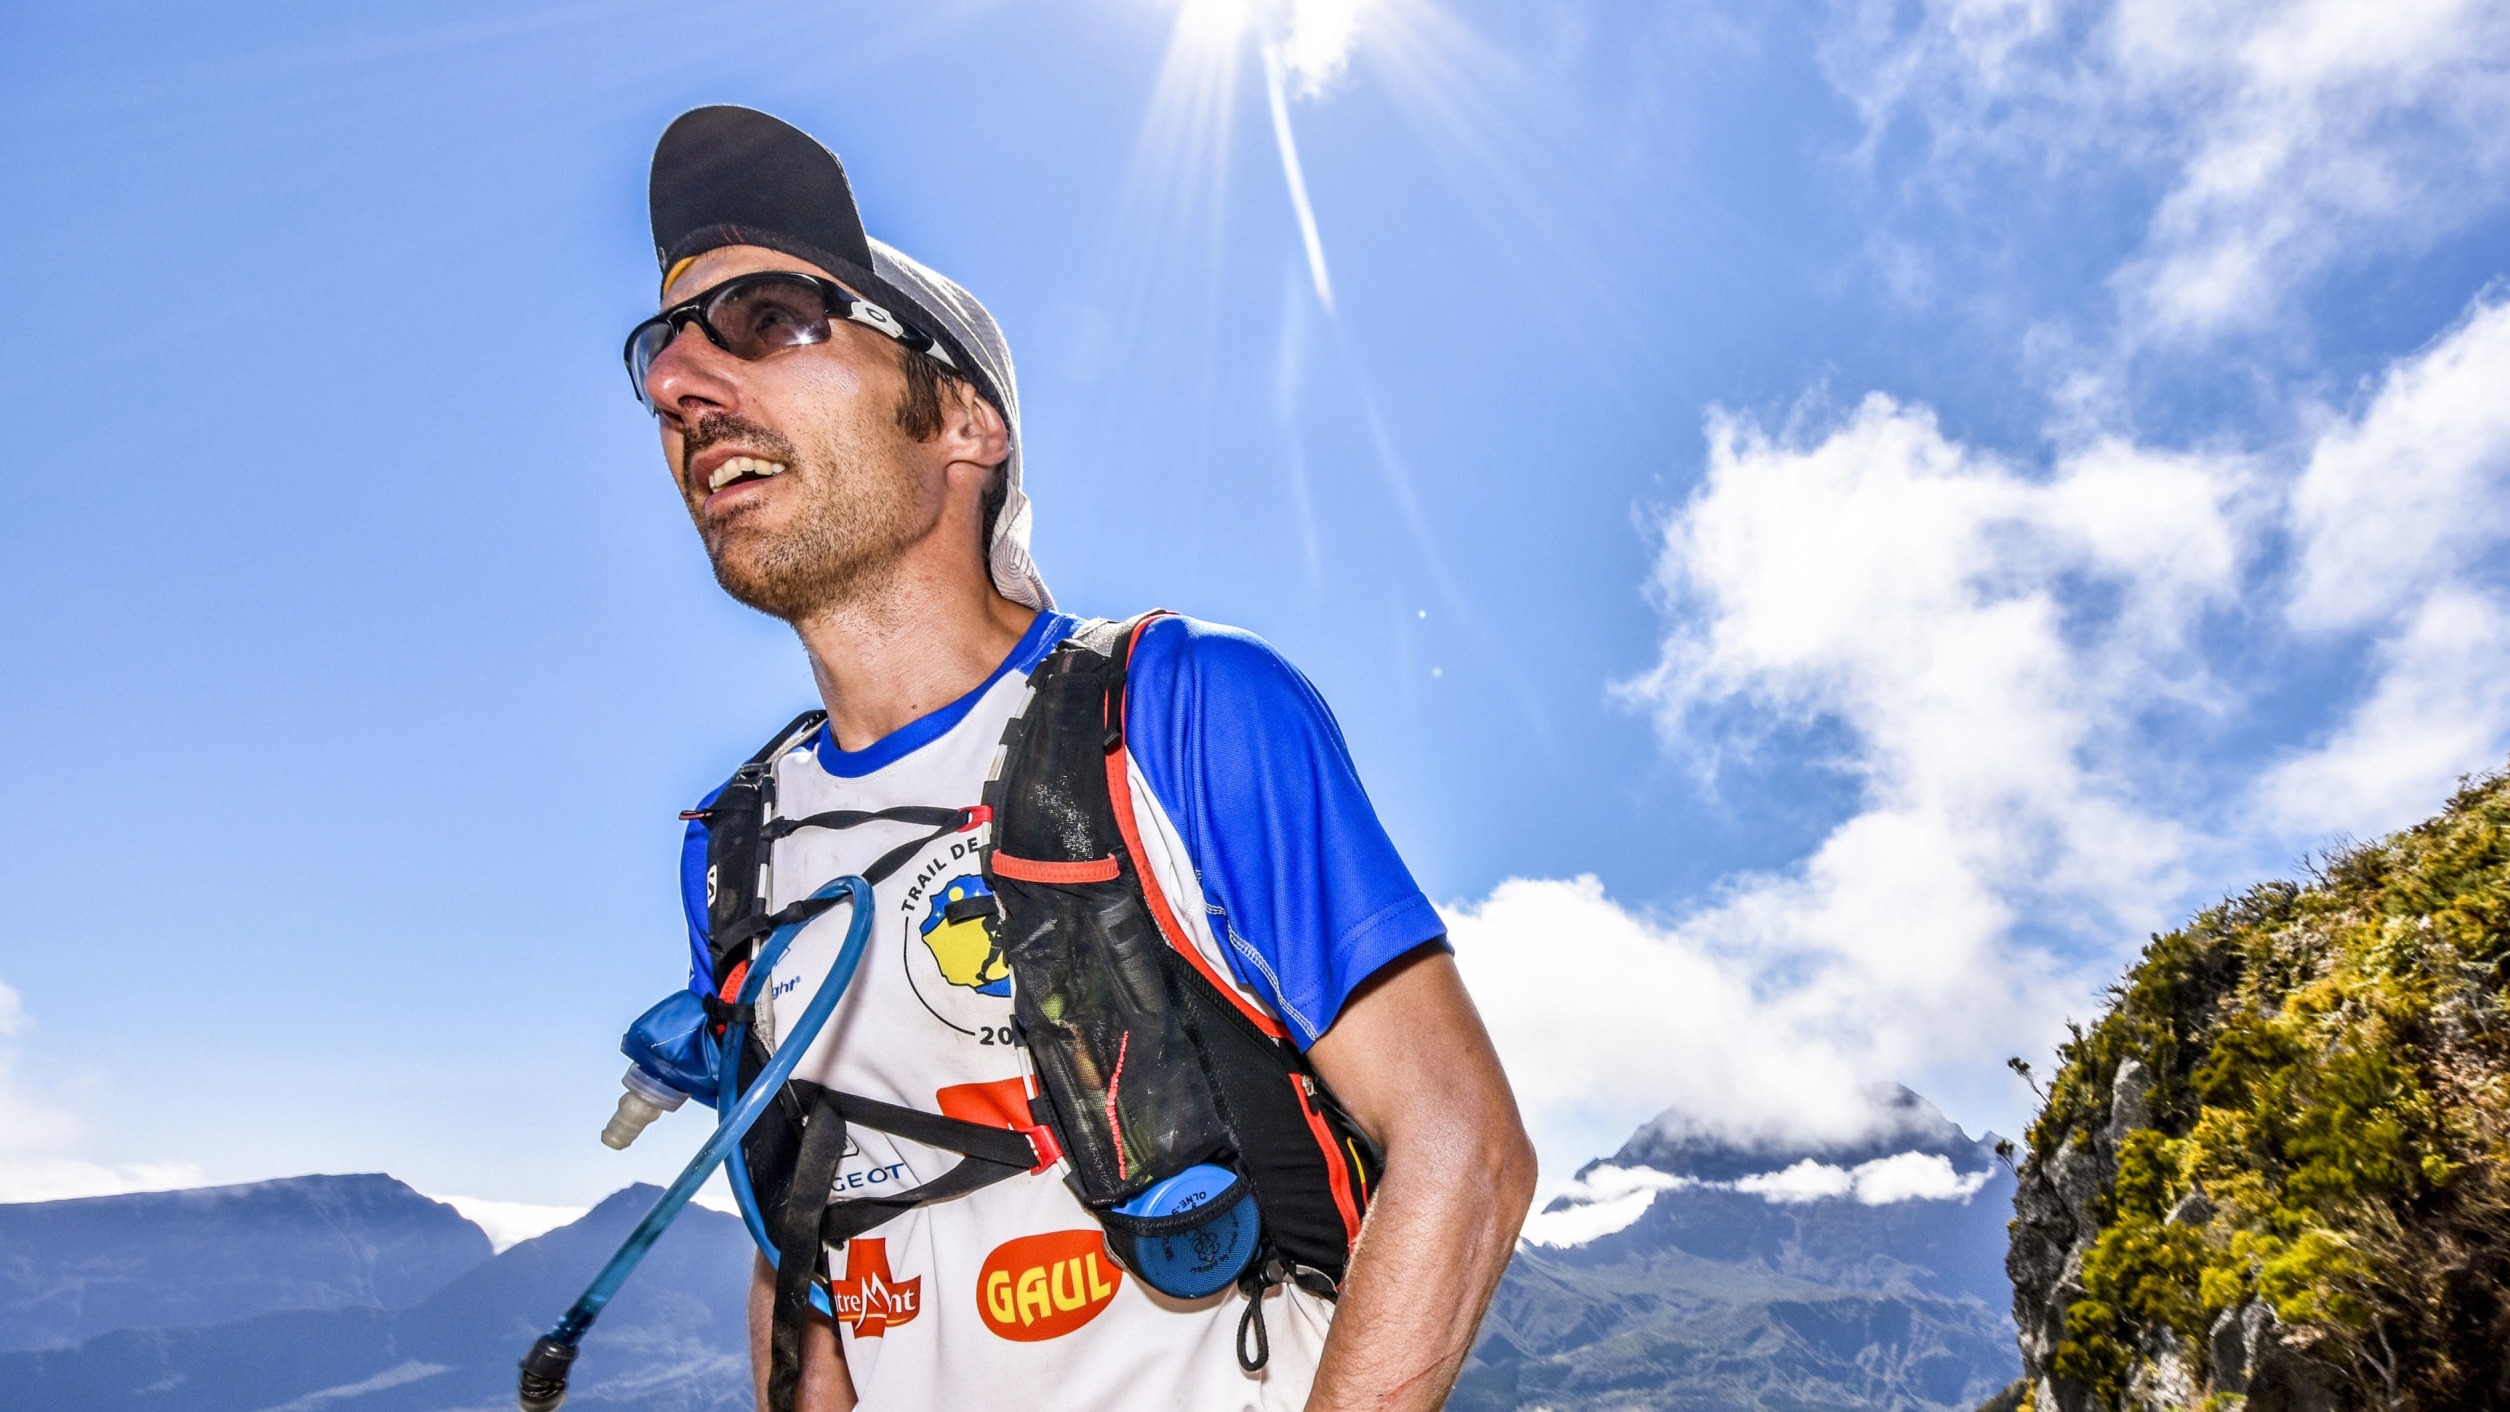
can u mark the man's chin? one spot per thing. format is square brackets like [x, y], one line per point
[784, 587]
[777, 596]
[792, 566]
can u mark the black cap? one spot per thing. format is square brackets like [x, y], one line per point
[736, 176]
[727, 175]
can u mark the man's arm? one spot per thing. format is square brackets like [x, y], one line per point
[1409, 1059]
[826, 1385]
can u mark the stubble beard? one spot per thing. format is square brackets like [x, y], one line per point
[844, 541]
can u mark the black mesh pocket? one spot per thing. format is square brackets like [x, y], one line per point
[1107, 1032]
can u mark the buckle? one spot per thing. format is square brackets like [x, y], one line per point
[1041, 1140]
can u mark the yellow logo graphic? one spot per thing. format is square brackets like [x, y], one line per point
[1044, 1286]
[959, 930]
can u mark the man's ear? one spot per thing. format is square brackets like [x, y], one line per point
[974, 423]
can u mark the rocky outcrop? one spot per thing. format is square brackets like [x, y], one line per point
[2272, 1176]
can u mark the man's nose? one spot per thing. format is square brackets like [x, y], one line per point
[690, 375]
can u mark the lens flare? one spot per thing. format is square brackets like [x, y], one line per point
[1465, 97]
[1314, 38]
[1297, 179]
[1217, 23]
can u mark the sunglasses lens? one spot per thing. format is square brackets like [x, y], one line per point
[757, 317]
[643, 349]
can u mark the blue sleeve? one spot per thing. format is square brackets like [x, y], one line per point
[1307, 894]
[693, 899]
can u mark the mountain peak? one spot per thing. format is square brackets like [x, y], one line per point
[1895, 1120]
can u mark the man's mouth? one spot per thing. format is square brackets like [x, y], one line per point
[742, 468]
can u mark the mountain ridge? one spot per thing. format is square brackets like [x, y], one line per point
[675, 1339]
[1734, 1274]
[1899, 1120]
[1755, 1273]
[77, 1268]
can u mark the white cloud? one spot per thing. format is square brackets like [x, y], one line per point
[1604, 1019]
[509, 1223]
[2440, 708]
[2286, 138]
[1317, 47]
[1983, 636]
[1903, 1176]
[2416, 492]
[2319, 128]
[2058, 688]
[1604, 1200]
[2398, 523]
[2011, 658]
[1607, 1199]
[1806, 1181]
[1914, 1176]
[41, 1141]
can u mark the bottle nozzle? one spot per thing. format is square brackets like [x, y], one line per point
[645, 1100]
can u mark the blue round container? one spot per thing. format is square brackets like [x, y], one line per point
[1206, 1258]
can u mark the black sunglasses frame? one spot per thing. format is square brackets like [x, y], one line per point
[840, 302]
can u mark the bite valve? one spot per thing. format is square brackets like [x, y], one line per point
[646, 1099]
[543, 1384]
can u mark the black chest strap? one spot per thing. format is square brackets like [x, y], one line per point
[807, 1221]
[942, 821]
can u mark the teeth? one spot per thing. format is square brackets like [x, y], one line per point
[740, 466]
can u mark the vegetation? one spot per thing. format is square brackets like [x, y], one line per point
[2327, 1129]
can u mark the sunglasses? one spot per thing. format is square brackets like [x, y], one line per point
[751, 316]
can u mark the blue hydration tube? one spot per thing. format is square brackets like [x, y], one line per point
[545, 1368]
[736, 1171]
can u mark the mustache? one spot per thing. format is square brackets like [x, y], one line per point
[716, 428]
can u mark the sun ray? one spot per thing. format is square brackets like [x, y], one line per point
[1297, 180]
[1289, 373]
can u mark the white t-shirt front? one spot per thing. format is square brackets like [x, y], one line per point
[1005, 1296]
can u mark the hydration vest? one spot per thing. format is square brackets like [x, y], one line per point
[1147, 1066]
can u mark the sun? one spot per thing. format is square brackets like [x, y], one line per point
[1311, 39]
[1217, 24]
[1304, 45]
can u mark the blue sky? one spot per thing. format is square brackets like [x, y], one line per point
[1824, 524]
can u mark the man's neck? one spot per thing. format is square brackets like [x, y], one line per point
[908, 647]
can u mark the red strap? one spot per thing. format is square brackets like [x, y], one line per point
[1337, 1174]
[1042, 1139]
[1120, 791]
[732, 991]
[1037, 871]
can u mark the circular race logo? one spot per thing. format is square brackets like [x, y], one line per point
[949, 946]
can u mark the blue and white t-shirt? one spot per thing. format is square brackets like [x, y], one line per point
[1268, 850]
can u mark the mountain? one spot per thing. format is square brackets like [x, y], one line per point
[70, 1270]
[2276, 1173]
[673, 1341]
[1688, 1270]
[1693, 1271]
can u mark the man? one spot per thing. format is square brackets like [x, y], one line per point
[843, 426]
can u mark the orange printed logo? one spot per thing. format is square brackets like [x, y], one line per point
[1000, 1104]
[869, 1297]
[1045, 1286]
